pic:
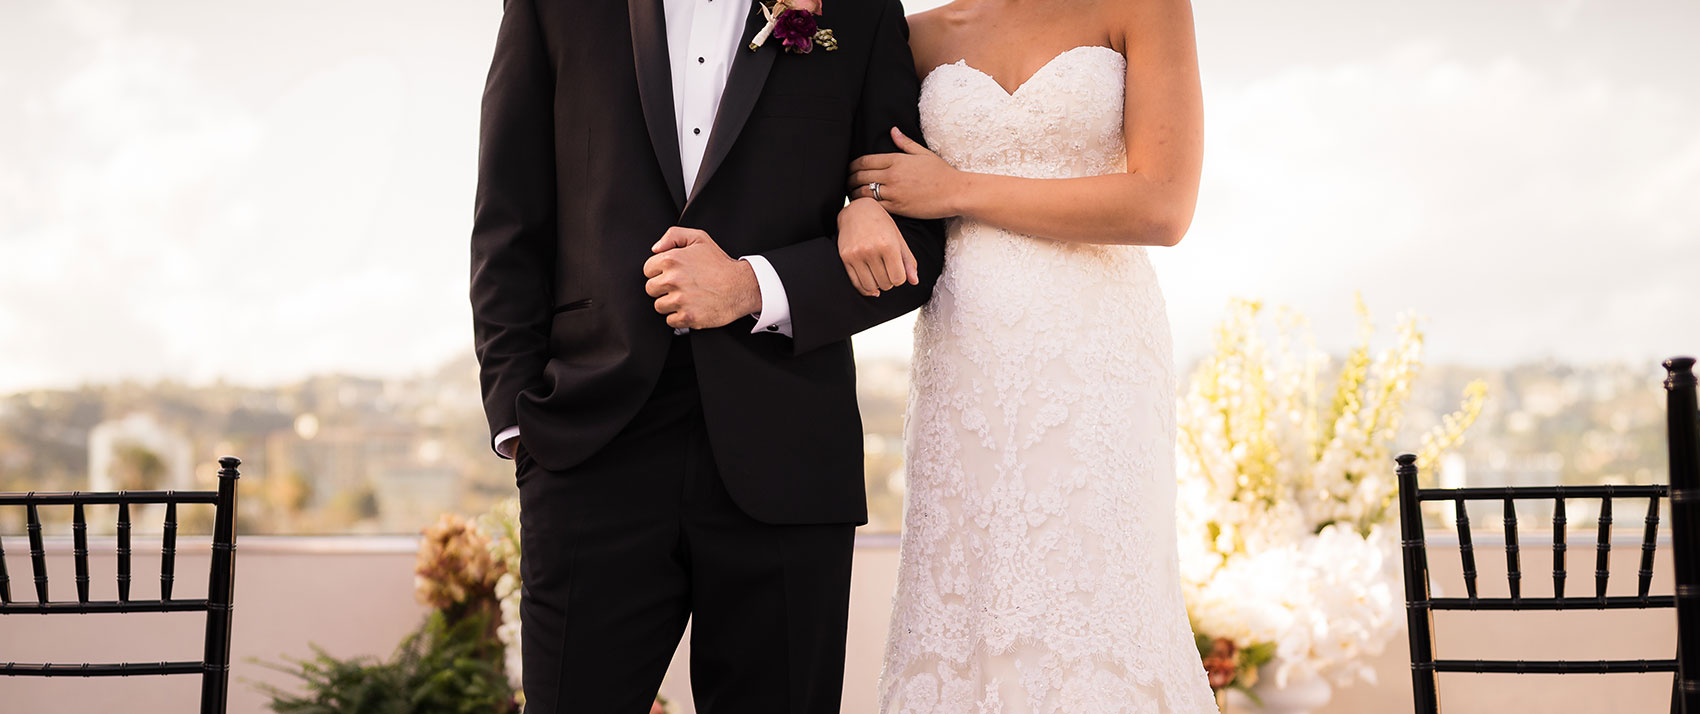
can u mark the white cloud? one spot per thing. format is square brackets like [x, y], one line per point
[1528, 212]
[174, 224]
[179, 200]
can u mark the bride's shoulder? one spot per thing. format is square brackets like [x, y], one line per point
[928, 39]
[925, 26]
[1131, 20]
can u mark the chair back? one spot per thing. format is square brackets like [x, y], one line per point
[1421, 604]
[214, 665]
[1682, 420]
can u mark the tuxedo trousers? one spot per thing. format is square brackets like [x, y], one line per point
[619, 551]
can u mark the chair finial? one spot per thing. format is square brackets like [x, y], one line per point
[1681, 372]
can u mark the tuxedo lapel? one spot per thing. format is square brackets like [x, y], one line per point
[655, 89]
[743, 88]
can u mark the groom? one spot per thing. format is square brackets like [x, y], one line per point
[662, 323]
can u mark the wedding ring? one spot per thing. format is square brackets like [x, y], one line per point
[875, 187]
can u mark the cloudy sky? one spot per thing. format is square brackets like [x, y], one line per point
[200, 189]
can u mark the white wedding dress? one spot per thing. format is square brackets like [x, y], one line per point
[1039, 573]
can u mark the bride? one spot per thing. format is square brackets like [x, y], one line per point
[1039, 571]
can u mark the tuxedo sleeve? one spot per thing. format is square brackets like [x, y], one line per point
[514, 221]
[825, 306]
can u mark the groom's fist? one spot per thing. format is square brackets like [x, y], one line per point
[695, 284]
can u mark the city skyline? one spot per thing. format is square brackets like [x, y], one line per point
[180, 200]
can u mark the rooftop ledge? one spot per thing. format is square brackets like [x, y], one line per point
[380, 544]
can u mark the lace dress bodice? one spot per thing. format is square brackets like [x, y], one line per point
[1038, 571]
[1064, 121]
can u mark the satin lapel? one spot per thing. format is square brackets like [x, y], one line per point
[743, 88]
[655, 88]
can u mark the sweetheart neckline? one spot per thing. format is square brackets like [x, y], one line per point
[963, 63]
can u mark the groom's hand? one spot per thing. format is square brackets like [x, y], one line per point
[695, 284]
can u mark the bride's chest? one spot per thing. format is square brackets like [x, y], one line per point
[1065, 120]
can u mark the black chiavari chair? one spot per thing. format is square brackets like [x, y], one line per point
[1683, 494]
[1682, 420]
[214, 666]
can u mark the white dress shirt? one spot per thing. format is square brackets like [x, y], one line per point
[703, 36]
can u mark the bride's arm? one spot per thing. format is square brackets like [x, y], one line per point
[1151, 204]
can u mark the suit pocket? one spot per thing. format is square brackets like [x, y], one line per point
[574, 305]
[576, 330]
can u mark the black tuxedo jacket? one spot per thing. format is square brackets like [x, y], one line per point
[579, 174]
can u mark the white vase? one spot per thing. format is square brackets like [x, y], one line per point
[1300, 696]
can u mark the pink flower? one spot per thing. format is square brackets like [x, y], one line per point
[811, 6]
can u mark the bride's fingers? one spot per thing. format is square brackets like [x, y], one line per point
[908, 145]
[910, 268]
[863, 178]
[863, 191]
[872, 162]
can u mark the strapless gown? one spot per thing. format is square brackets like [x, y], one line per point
[1039, 570]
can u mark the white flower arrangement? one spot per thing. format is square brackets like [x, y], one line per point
[1286, 499]
[501, 524]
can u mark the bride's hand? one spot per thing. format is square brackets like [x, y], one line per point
[874, 251]
[916, 183]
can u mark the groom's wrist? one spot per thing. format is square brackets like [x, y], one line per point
[749, 288]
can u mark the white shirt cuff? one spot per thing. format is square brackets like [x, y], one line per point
[505, 442]
[775, 315]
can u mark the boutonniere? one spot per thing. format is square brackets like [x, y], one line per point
[793, 22]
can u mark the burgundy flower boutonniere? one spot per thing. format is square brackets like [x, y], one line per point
[793, 23]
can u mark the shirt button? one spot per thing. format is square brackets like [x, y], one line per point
[701, 60]
[696, 131]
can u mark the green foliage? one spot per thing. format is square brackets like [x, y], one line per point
[443, 668]
[1257, 655]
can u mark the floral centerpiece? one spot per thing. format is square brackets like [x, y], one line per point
[452, 663]
[1286, 498]
[464, 658]
[455, 572]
